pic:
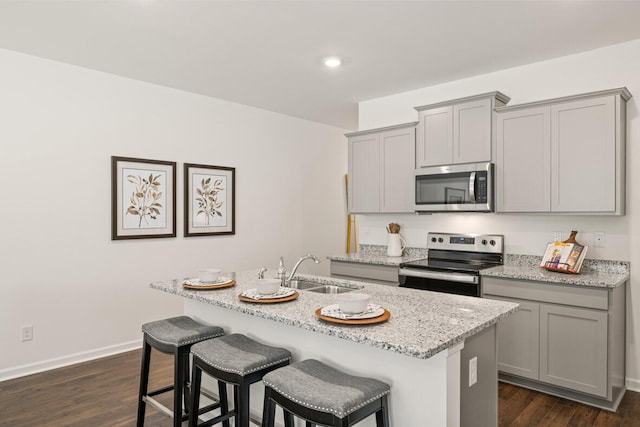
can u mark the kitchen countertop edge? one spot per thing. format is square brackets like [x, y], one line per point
[446, 335]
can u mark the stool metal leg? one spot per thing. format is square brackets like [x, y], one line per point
[178, 387]
[268, 412]
[382, 416]
[196, 378]
[144, 382]
[224, 403]
[243, 404]
[185, 386]
[288, 418]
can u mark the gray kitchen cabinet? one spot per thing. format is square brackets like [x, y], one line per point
[564, 155]
[381, 165]
[564, 340]
[573, 348]
[523, 160]
[457, 131]
[374, 273]
[520, 335]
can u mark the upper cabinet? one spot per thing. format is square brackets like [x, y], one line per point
[381, 169]
[564, 155]
[457, 131]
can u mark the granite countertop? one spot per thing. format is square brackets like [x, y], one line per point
[422, 323]
[594, 273]
[377, 254]
[377, 259]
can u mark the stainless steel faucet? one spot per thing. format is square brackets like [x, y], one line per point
[295, 267]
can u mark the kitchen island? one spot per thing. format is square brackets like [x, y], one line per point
[417, 351]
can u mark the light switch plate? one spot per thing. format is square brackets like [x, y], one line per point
[599, 239]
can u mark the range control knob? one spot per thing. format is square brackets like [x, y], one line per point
[492, 242]
[484, 241]
[433, 239]
[440, 239]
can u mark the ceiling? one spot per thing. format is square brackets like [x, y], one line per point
[268, 53]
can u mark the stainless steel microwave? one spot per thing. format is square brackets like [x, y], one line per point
[455, 188]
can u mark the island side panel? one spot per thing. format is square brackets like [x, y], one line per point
[418, 386]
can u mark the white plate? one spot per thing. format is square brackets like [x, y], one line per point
[333, 310]
[282, 293]
[197, 282]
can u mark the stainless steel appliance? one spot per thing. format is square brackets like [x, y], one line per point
[466, 188]
[453, 263]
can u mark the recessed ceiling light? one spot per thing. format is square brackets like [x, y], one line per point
[332, 61]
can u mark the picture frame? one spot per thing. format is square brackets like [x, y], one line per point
[209, 200]
[454, 195]
[143, 198]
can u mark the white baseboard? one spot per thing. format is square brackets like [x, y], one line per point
[45, 365]
[633, 384]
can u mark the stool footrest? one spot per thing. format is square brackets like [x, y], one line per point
[218, 419]
[159, 406]
[160, 390]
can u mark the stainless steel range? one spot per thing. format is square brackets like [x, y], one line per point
[453, 263]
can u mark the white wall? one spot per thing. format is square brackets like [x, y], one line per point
[86, 295]
[607, 68]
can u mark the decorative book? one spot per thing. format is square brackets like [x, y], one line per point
[565, 257]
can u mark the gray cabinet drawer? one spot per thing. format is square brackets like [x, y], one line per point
[383, 273]
[556, 294]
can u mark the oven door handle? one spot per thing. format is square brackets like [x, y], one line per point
[451, 277]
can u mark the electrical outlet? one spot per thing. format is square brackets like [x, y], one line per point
[473, 371]
[598, 239]
[557, 236]
[26, 333]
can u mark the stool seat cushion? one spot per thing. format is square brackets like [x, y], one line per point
[239, 354]
[316, 386]
[181, 330]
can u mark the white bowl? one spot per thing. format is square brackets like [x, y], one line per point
[209, 275]
[267, 286]
[353, 302]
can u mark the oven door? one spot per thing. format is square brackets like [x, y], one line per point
[440, 281]
[466, 187]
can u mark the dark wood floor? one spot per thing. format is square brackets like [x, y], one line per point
[104, 393]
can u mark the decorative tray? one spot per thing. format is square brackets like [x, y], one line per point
[372, 316]
[283, 295]
[197, 284]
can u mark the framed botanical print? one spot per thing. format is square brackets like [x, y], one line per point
[209, 200]
[143, 198]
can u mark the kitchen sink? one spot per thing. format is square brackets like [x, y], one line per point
[310, 286]
[331, 289]
[303, 284]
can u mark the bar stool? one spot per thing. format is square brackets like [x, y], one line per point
[233, 359]
[174, 336]
[324, 395]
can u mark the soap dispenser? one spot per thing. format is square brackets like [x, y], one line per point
[282, 272]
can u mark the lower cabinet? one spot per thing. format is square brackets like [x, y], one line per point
[573, 348]
[565, 340]
[373, 273]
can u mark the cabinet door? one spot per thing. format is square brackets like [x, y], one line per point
[435, 137]
[583, 155]
[364, 173]
[523, 164]
[518, 340]
[397, 180]
[573, 348]
[472, 131]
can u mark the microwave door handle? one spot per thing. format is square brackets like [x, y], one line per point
[472, 187]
